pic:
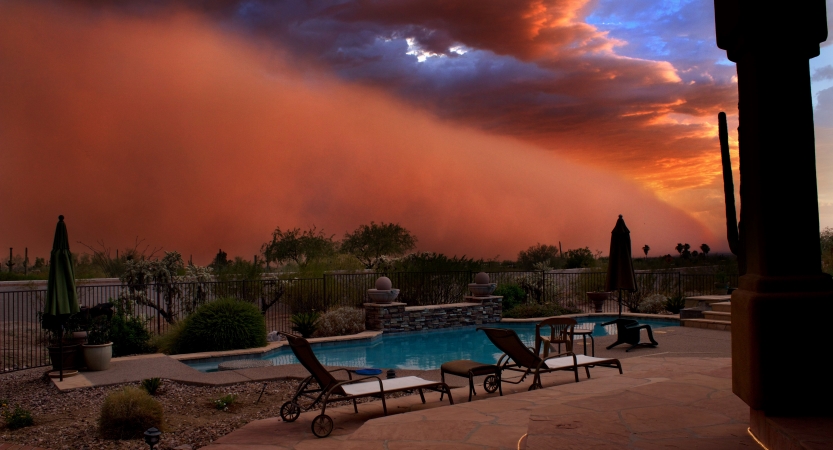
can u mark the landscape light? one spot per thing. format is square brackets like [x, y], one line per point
[152, 437]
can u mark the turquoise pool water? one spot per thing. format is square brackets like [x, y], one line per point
[424, 350]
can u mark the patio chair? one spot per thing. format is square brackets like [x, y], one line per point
[561, 333]
[520, 358]
[628, 332]
[328, 389]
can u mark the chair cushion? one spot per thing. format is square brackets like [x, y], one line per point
[390, 385]
[581, 360]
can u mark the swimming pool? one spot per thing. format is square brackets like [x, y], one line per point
[424, 350]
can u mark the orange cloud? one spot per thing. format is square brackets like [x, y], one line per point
[174, 130]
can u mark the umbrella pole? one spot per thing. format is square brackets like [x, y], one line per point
[620, 303]
[61, 358]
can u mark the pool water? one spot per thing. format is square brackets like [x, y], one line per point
[425, 350]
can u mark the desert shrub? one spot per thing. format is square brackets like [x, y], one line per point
[305, 324]
[16, 417]
[127, 413]
[529, 310]
[512, 294]
[151, 385]
[167, 342]
[675, 304]
[340, 321]
[225, 401]
[129, 336]
[225, 324]
[653, 304]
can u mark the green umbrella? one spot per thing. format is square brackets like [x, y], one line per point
[61, 297]
[620, 275]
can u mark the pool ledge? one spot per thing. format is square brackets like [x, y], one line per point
[669, 317]
[260, 351]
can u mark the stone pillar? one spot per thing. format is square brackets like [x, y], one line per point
[784, 302]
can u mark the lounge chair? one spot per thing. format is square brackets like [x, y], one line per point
[351, 389]
[628, 332]
[519, 358]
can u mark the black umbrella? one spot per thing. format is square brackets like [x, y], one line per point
[620, 275]
[61, 297]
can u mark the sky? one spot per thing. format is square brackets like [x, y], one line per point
[483, 126]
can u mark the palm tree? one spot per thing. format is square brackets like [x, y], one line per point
[679, 248]
[646, 249]
[705, 248]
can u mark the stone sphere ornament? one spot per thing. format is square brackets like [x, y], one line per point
[481, 278]
[383, 284]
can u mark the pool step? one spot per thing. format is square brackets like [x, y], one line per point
[722, 307]
[719, 318]
[723, 325]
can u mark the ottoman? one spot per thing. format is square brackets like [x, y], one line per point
[469, 369]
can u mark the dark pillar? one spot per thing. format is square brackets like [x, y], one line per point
[782, 309]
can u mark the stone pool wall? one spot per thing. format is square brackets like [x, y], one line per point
[396, 317]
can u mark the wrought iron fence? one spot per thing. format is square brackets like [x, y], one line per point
[22, 341]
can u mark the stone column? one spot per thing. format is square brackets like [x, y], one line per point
[784, 302]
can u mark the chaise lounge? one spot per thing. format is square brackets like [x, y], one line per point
[518, 357]
[328, 386]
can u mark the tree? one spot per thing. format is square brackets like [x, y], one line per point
[369, 243]
[538, 254]
[580, 257]
[706, 249]
[646, 249]
[297, 246]
[679, 248]
[686, 253]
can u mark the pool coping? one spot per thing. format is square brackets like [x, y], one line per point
[232, 355]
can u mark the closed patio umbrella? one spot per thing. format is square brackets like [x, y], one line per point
[620, 275]
[61, 297]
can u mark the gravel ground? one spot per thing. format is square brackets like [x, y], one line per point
[69, 420]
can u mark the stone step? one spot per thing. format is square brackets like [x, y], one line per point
[717, 315]
[722, 325]
[722, 307]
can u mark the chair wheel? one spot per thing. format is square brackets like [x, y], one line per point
[490, 384]
[290, 411]
[322, 426]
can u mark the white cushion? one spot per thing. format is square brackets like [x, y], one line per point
[392, 384]
[567, 361]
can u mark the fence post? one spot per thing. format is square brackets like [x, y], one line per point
[679, 285]
[324, 281]
[158, 315]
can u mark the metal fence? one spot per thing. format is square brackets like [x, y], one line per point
[22, 341]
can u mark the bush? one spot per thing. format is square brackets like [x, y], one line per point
[580, 257]
[151, 385]
[305, 324]
[675, 304]
[167, 342]
[17, 417]
[225, 401]
[530, 310]
[340, 321]
[127, 413]
[512, 294]
[225, 324]
[653, 304]
[129, 335]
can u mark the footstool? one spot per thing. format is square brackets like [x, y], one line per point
[469, 369]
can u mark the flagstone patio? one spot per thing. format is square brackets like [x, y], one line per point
[661, 401]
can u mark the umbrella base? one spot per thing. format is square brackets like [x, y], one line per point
[67, 373]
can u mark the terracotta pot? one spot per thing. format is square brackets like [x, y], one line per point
[69, 357]
[598, 299]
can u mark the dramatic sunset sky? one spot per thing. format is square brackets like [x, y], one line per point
[483, 126]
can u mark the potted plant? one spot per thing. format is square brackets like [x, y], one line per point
[62, 350]
[99, 347]
[598, 299]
